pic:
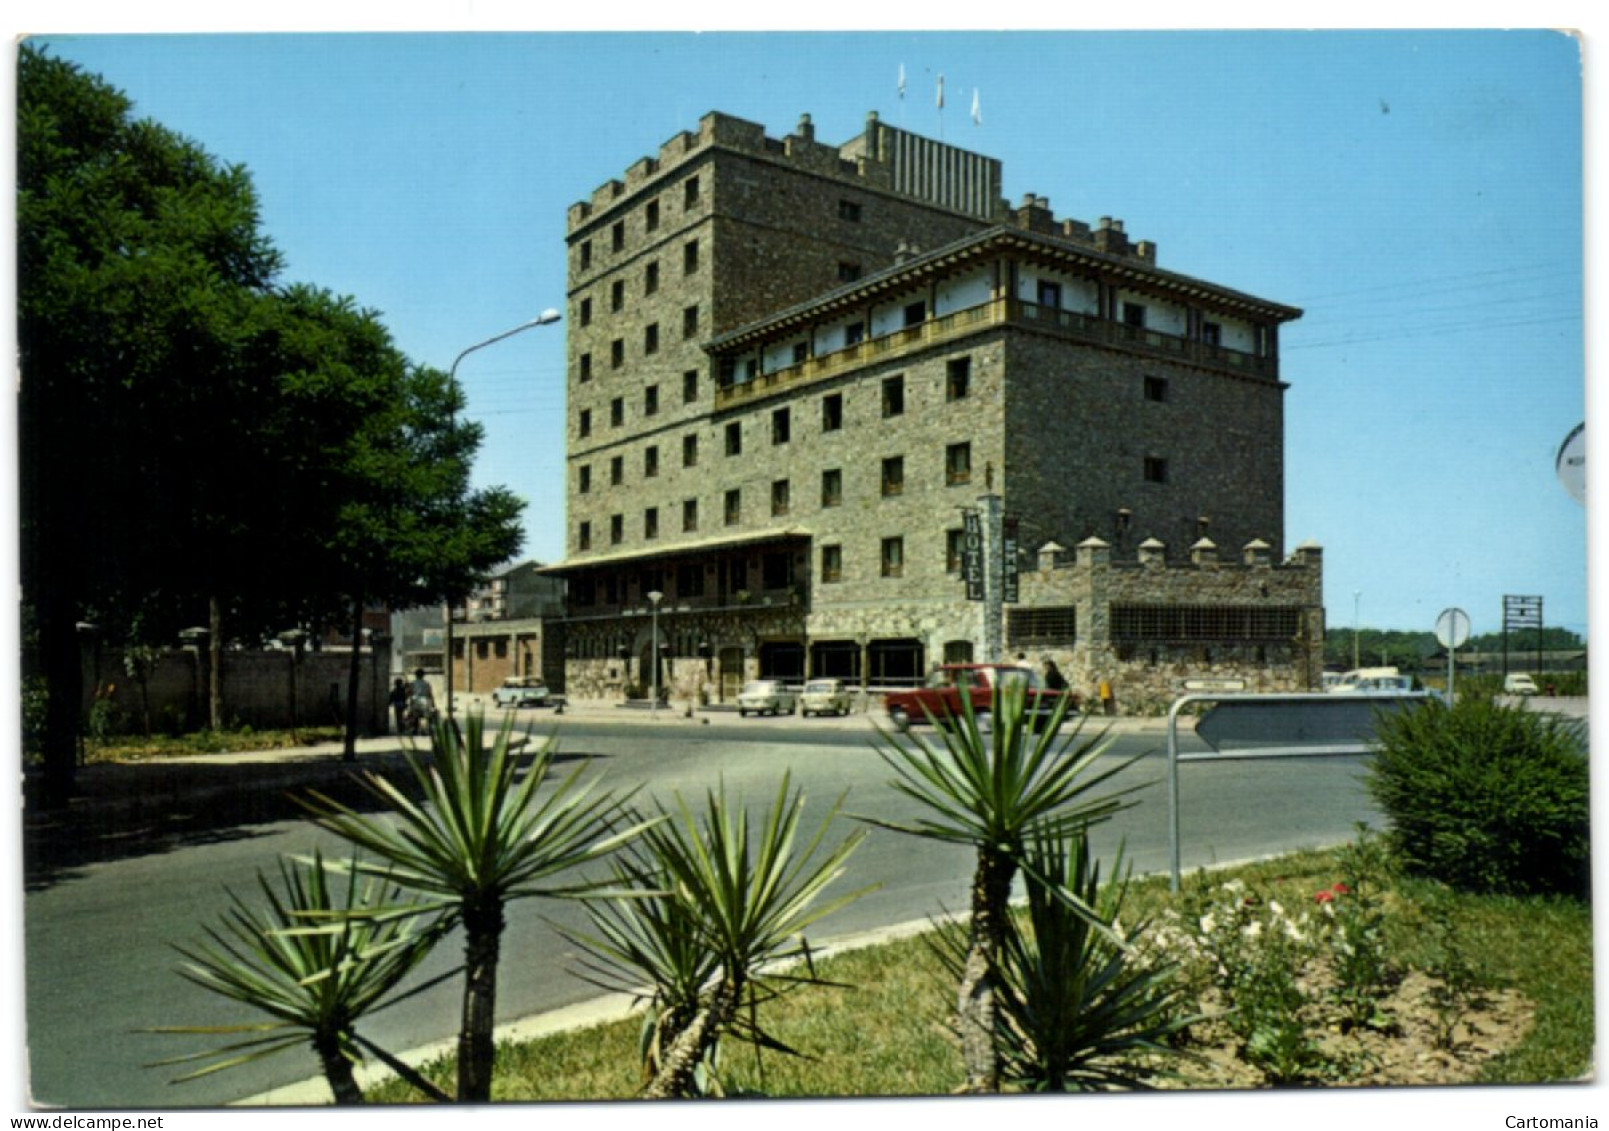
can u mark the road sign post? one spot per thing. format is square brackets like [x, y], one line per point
[1452, 630]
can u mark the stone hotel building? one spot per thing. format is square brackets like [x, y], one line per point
[795, 367]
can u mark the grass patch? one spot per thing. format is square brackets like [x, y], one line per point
[886, 1031]
[134, 748]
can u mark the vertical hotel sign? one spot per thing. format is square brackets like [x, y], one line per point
[1008, 562]
[972, 554]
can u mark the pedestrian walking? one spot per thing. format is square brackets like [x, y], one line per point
[1054, 680]
[399, 702]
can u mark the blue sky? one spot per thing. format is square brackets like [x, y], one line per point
[1417, 193]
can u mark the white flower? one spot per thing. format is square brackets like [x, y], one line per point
[1208, 924]
[1235, 886]
[1275, 908]
[1252, 930]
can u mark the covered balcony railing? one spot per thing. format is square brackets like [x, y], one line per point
[997, 312]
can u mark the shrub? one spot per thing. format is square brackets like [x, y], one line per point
[1485, 797]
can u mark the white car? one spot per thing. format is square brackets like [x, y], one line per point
[766, 697]
[521, 691]
[825, 697]
[1519, 683]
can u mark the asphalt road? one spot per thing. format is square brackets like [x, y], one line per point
[99, 966]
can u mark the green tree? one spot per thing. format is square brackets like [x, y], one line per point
[139, 256]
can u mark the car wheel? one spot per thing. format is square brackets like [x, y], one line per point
[901, 720]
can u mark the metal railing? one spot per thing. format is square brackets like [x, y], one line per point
[1314, 724]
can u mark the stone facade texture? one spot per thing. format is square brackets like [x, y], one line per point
[794, 366]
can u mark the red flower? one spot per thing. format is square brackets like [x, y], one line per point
[1340, 889]
[1323, 896]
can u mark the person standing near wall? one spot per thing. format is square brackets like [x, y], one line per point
[1108, 700]
[399, 702]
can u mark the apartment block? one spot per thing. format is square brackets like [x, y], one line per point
[794, 369]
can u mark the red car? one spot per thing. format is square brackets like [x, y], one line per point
[940, 697]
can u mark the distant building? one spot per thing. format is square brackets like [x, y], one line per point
[795, 367]
[499, 631]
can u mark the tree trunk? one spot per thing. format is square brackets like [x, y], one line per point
[483, 931]
[338, 1072]
[675, 1077]
[61, 663]
[975, 1004]
[349, 748]
[215, 663]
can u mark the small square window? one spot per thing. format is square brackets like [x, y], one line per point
[617, 529]
[650, 216]
[832, 412]
[849, 210]
[801, 352]
[617, 470]
[586, 254]
[689, 515]
[832, 487]
[690, 322]
[915, 313]
[958, 464]
[617, 353]
[584, 422]
[893, 557]
[854, 333]
[583, 536]
[1134, 314]
[690, 386]
[1156, 389]
[1156, 469]
[957, 378]
[617, 295]
[690, 192]
[617, 236]
[617, 412]
[1212, 333]
[586, 312]
[650, 401]
[689, 257]
[780, 426]
[734, 506]
[584, 370]
[650, 338]
[734, 438]
[832, 564]
[650, 461]
[779, 497]
[848, 272]
[690, 451]
[650, 278]
[650, 523]
[954, 547]
[1050, 294]
[894, 475]
[583, 479]
[893, 396]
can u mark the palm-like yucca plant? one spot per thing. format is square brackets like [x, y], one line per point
[316, 985]
[995, 790]
[743, 894]
[478, 838]
[653, 940]
[1077, 1012]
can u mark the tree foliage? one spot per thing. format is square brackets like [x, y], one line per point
[199, 444]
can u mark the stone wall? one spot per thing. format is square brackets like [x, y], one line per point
[261, 689]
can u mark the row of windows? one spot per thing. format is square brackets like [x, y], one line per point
[650, 343]
[729, 576]
[691, 194]
[957, 386]
[957, 471]
[650, 284]
[650, 404]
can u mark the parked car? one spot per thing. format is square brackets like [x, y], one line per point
[940, 697]
[521, 691]
[1373, 681]
[825, 697]
[1519, 683]
[766, 697]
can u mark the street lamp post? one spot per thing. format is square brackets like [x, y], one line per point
[1357, 598]
[546, 318]
[653, 703]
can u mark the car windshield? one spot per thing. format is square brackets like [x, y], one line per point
[759, 687]
[821, 685]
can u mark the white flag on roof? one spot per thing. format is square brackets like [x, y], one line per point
[941, 92]
[977, 110]
[902, 80]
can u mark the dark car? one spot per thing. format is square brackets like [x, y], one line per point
[941, 697]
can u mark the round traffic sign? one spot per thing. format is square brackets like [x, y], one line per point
[1452, 628]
